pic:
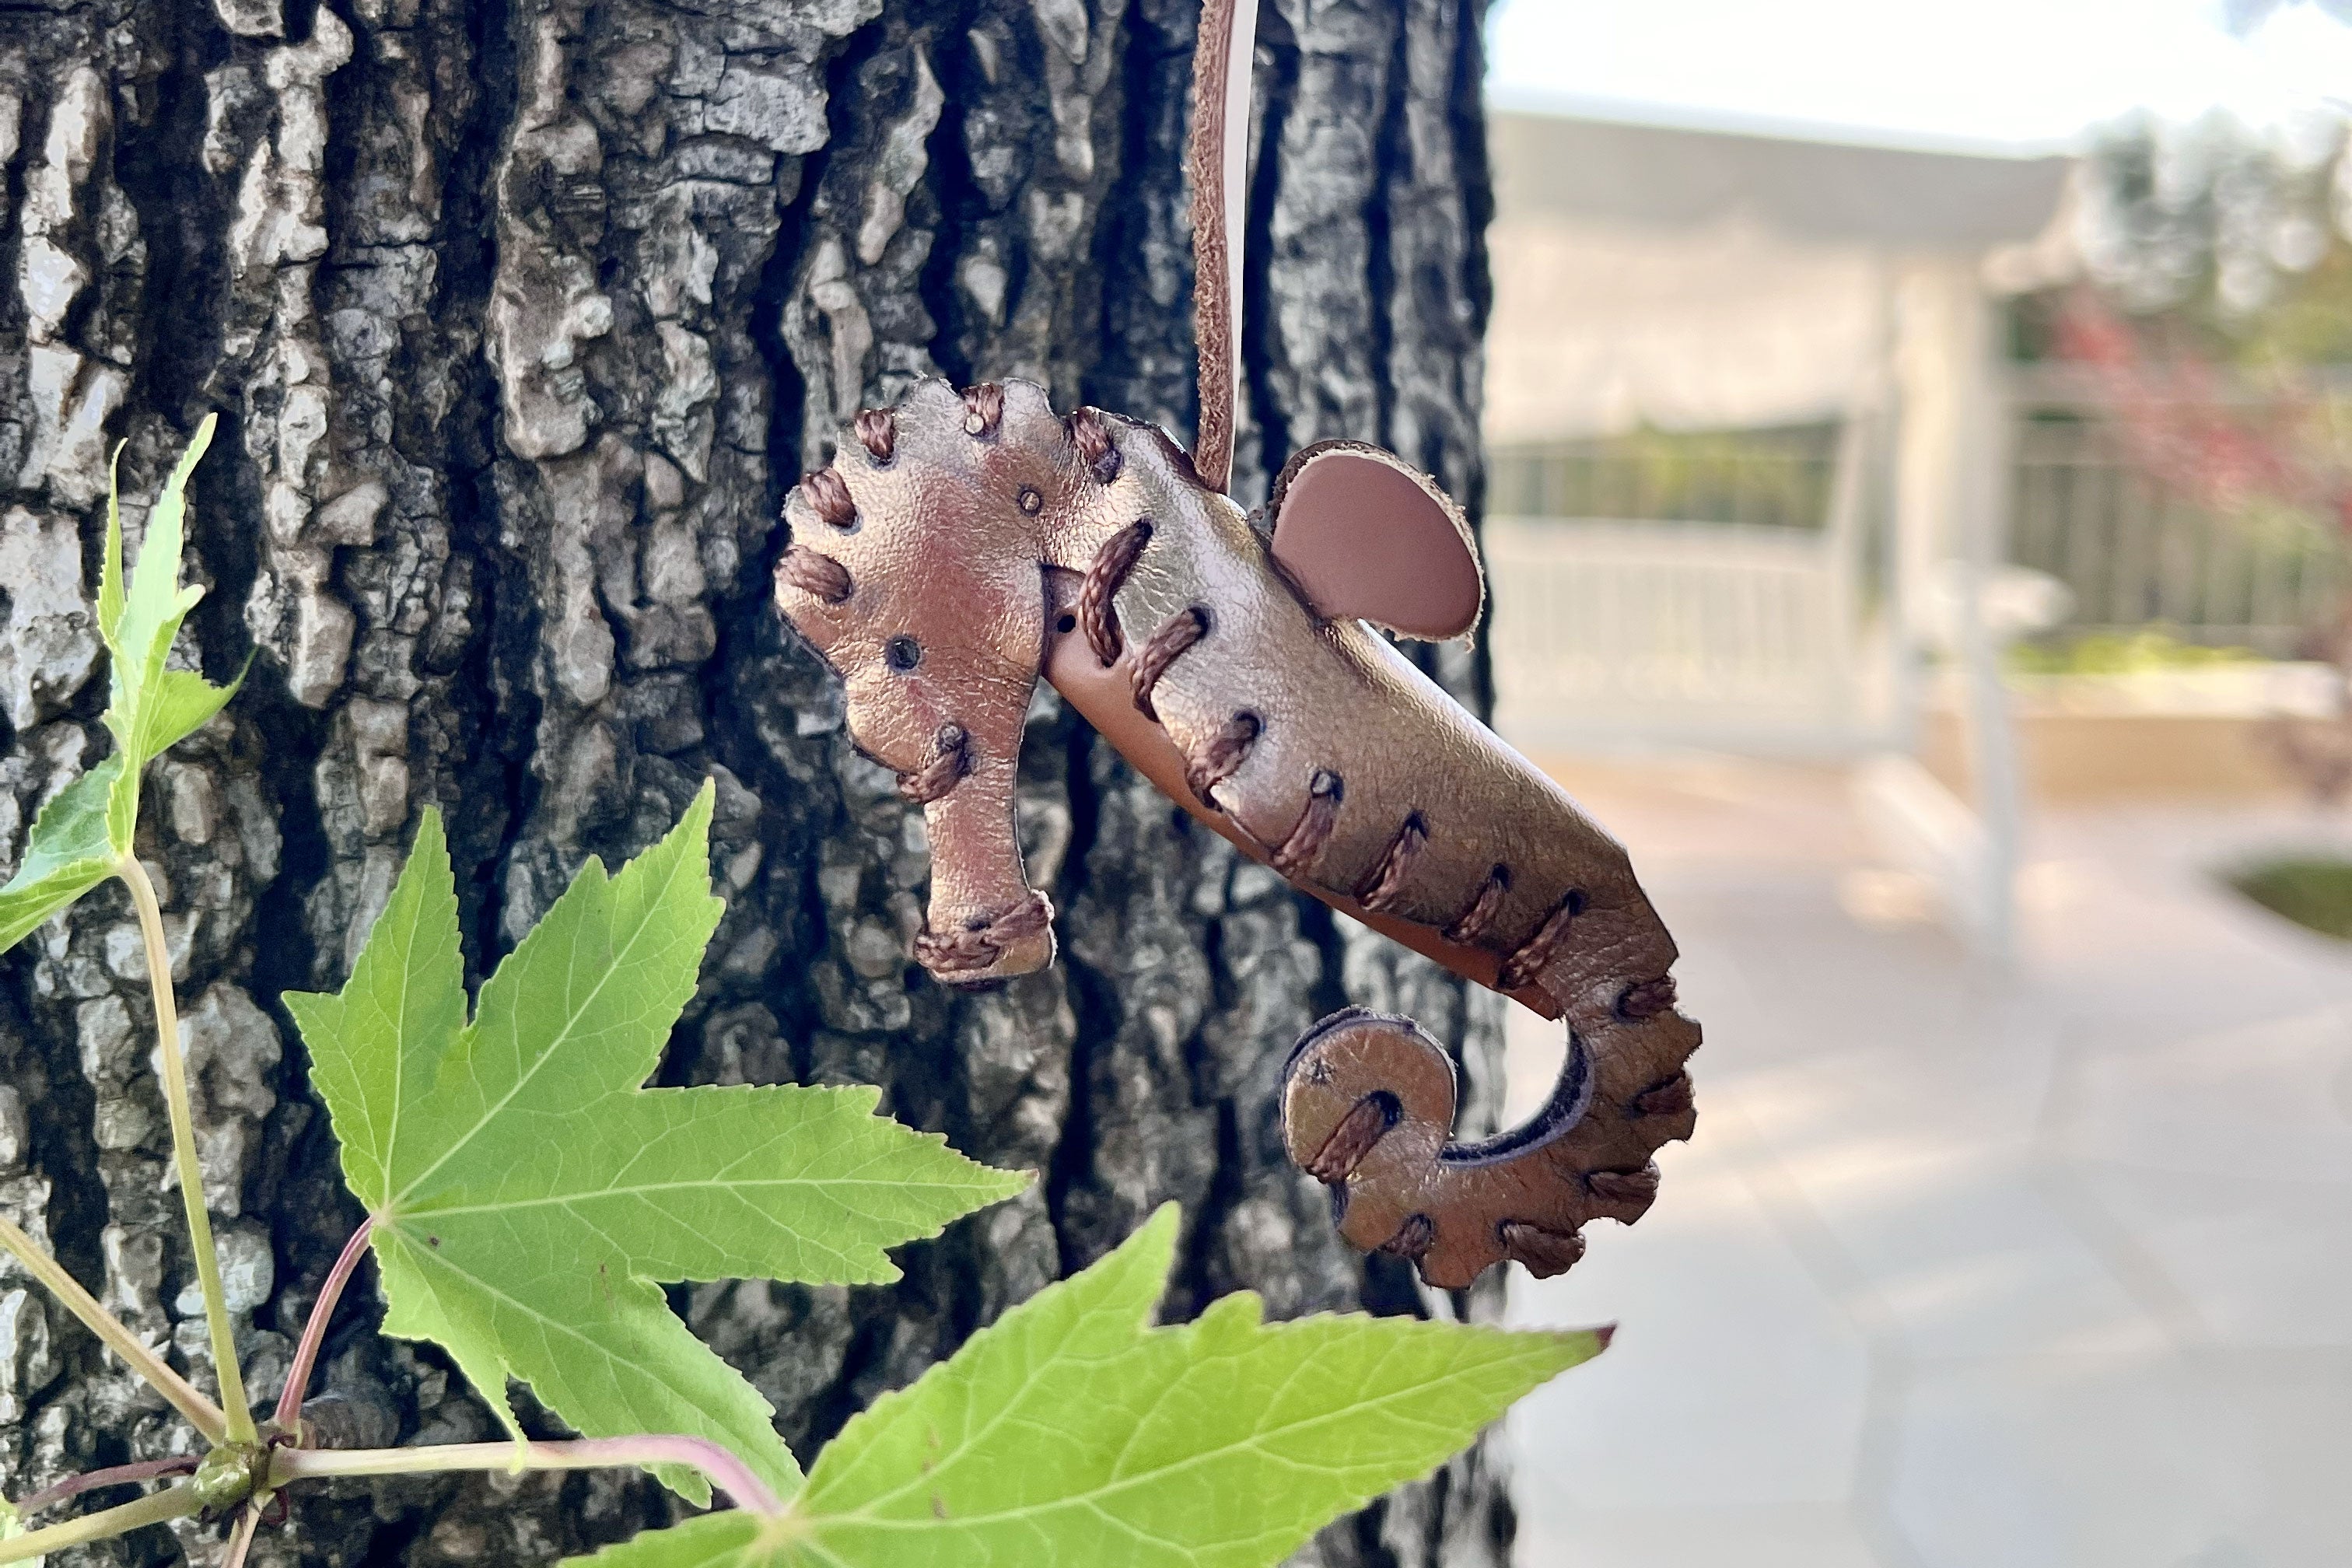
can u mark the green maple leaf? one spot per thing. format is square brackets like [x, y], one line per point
[82, 833]
[1072, 1433]
[530, 1197]
[67, 854]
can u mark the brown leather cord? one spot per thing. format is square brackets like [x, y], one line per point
[983, 409]
[1220, 134]
[1396, 865]
[1091, 436]
[1528, 960]
[1305, 841]
[1671, 1097]
[1647, 999]
[877, 432]
[1224, 754]
[1623, 1186]
[1161, 648]
[943, 772]
[1105, 574]
[963, 949]
[820, 576]
[1544, 1252]
[1354, 1139]
[1412, 1237]
[829, 497]
[1473, 922]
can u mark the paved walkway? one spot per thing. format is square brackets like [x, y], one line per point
[2049, 1269]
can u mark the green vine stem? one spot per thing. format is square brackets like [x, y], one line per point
[184, 1151]
[726, 1472]
[202, 1412]
[177, 1503]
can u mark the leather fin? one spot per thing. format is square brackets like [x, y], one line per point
[1361, 534]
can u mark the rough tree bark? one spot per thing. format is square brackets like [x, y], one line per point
[521, 314]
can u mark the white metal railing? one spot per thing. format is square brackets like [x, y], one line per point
[1722, 633]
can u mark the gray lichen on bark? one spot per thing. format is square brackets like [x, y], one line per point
[521, 315]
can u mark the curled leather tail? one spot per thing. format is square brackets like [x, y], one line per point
[1367, 1101]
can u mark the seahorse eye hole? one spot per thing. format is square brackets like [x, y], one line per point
[902, 653]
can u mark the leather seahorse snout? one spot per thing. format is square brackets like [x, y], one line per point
[985, 922]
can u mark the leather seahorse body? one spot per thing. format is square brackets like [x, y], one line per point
[961, 544]
[1306, 740]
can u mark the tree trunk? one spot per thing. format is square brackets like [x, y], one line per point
[521, 315]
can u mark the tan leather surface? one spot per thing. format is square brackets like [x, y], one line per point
[1335, 696]
[943, 550]
[1102, 695]
[1364, 537]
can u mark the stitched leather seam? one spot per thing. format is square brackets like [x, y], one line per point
[1224, 756]
[943, 772]
[1106, 575]
[1396, 865]
[1305, 841]
[983, 410]
[819, 576]
[1528, 958]
[1473, 922]
[1160, 649]
[979, 947]
[877, 432]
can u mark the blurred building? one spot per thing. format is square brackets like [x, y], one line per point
[1749, 407]
[1699, 280]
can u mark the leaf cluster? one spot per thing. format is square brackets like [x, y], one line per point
[530, 1198]
[85, 831]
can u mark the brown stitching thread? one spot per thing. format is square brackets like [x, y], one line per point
[877, 432]
[1223, 755]
[1545, 1252]
[1473, 920]
[983, 409]
[1305, 841]
[979, 947]
[1091, 436]
[1532, 954]
[1412, 1237]
[1366, 1125]
[829, 497]
[1668, 1097]
[1105, 575]
[943, 772]
[1623, 1186]
[1396, 865]
[1160, 649]
[820, 576]
[1647, 999]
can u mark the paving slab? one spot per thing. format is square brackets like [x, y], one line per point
[1968, 1265]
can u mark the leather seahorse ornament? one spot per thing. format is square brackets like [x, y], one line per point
[962, 543]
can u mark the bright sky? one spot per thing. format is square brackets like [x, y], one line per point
[2029, 73]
